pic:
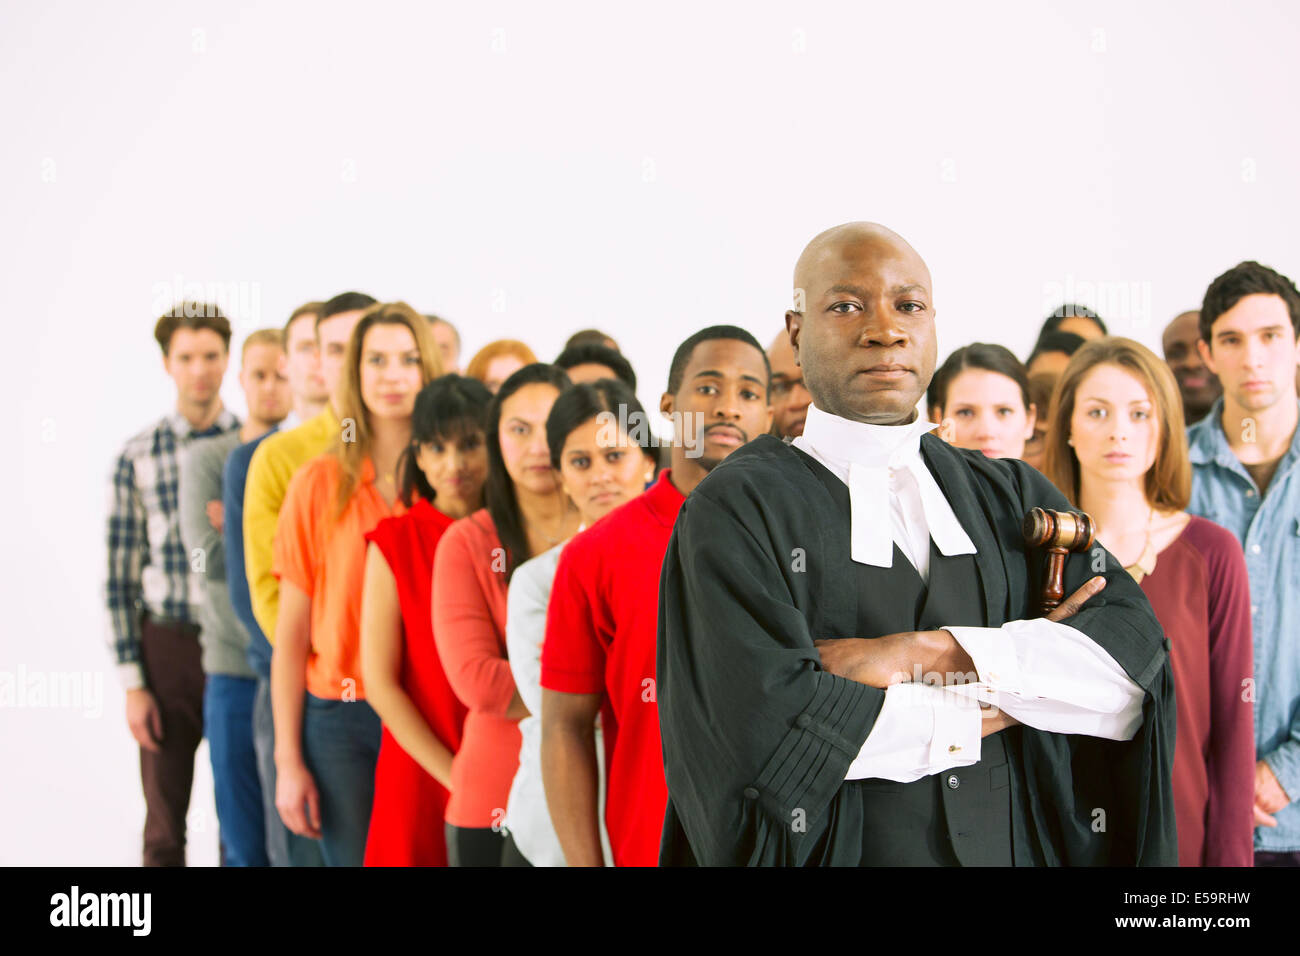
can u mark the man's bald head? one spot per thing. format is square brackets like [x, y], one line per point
[849, 239]
[862, 325]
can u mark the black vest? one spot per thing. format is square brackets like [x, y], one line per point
[960, 816]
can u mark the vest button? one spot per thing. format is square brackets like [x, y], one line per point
[953, 781]
[751, 793]
[803, 720]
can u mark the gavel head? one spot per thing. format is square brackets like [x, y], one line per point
[1071, 531]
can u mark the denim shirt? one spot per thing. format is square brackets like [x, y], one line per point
[1269, 531]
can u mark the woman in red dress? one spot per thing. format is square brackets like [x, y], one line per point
[1116, 448]
[446, 466]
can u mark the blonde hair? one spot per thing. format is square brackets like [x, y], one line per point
[478, 365]
[1168, 482]
[352, 408]
[261, 337]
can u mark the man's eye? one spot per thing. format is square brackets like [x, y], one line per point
[847, 307]
[749, 396]
[917, 306]
[707, 389]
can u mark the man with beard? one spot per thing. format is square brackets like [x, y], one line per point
[598, 657]
[1198, 386]
[834, 612]
[790, 400]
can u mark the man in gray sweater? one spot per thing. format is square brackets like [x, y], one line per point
[231, 683]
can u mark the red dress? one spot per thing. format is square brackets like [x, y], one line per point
[406, 822]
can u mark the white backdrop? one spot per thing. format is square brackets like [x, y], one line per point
[527, 170]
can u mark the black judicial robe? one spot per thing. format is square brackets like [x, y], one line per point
[757, 736]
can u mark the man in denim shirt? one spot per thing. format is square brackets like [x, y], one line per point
[1245, 454]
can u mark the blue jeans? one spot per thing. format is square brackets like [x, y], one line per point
[340, 745]
[228, 725]
[283, 847]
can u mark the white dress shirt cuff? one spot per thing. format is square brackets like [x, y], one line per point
[920, 731]
[1052, 677]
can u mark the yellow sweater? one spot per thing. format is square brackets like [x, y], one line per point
[273, 465]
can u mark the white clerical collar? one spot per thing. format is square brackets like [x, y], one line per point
[847, 441]
[868, 458]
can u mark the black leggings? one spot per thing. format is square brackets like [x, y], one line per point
[510, 855]
[473, 846]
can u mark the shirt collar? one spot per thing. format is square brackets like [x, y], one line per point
[663, 499]
[181, 427]
[1206, 441]
[876, 446]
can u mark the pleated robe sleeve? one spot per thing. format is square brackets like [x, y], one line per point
[756, 736]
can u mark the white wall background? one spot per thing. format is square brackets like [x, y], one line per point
[527, 170]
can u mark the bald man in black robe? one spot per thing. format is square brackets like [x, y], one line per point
[850, 666]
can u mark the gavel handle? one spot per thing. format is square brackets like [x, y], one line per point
[1054, 585]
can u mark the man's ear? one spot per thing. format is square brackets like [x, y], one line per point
[793, 327]
[1203, 347]
[666, 404]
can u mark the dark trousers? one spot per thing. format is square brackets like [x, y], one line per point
[173, 673]
[228, 725]
[510, 855]
[340, 745]
[473, 846]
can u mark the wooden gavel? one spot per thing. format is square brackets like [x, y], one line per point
[1061, 533]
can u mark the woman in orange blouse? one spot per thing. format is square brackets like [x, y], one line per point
[526, 513]
[327, 736]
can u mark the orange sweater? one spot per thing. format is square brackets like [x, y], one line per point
[469, 627]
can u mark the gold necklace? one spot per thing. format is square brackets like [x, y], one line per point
[1146, 562]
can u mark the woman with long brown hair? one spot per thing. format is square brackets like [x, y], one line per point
[1116, 447]
[326, 736]
[525, 513]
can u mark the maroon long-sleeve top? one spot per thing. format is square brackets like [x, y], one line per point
[1201, 595]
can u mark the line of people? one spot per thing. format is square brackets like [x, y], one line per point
[414, 611]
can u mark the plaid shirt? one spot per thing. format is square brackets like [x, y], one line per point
[147, 564]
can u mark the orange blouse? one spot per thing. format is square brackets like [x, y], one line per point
[469, 627]
[325, 557]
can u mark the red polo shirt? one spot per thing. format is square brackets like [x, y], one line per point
[600, 639]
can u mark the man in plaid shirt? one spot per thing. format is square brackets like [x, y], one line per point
[151, 607]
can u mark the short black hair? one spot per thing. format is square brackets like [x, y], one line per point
[1243, 279]
[682, 357]
[1069, 311]
[449, 407]
[598, 355]
[981, 355]
[344, 302]
[1067, 342]
[592, 337]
